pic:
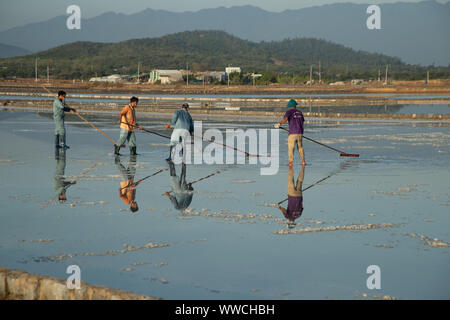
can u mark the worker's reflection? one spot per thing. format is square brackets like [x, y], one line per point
[127, 190]
[182, 192]
[61, 185]
[295, 198]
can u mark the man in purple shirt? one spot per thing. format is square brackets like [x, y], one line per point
[294, 208]
[296, 120]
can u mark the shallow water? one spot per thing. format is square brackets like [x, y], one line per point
[370, 109]
[269, 106]
[230, 242]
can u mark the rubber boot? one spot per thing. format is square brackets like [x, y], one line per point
[57, 153]
[170, 154]
[172, 171]
[57, 146]
[133, 151]
[116, 150]
[63, 142]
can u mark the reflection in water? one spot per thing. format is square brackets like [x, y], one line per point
[127, 190]
[294, 207]
[60, 185]
[182, 192]
[295, 192]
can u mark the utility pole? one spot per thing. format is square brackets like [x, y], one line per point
[320, 77]
[310, 75]
[386, 77]
[187, 74]
[428, 77]
[35, 70]
[379, 75]
[48, 75]
[137, 80]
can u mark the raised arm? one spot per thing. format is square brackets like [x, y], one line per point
[61, 105]
[174, 118]
[283, 121]
[173, 121]
[277, 125]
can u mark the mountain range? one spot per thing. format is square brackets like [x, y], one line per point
[417, 33]
[11, 51]
[211, 50]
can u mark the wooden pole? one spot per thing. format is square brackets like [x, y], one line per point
[137, 80]
[79, 115]
[342, 153]
[386, 76]
[320, 76]
[35, 70]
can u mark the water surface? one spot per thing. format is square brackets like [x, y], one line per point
[230, 242]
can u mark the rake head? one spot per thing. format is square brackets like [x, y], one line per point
[354, 155]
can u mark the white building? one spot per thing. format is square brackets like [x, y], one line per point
[111, 78]
[211, 75]
[230, 70]
[165, 76]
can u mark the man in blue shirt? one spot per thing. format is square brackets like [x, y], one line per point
[296, 120]
[182, 126]
[182, 191]
[59, 107]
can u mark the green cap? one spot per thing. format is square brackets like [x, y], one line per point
[292, 103]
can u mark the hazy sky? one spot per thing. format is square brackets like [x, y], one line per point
[14, 13]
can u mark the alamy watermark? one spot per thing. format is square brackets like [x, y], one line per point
[231, 149]
[74, 280]
[74, 20]
[374, 280]
[374, 20]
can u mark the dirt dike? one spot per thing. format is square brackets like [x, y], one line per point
[20, 285]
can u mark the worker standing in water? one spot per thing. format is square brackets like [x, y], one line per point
[294, 207]
[296, 120]
[182, 191]
[59, 107]
[128, 122]
[127, 190]
[183, 126]
[60, 184]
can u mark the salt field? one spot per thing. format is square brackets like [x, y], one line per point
[269, 103]
[225, 239]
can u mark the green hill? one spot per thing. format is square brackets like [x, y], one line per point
[209, 50]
